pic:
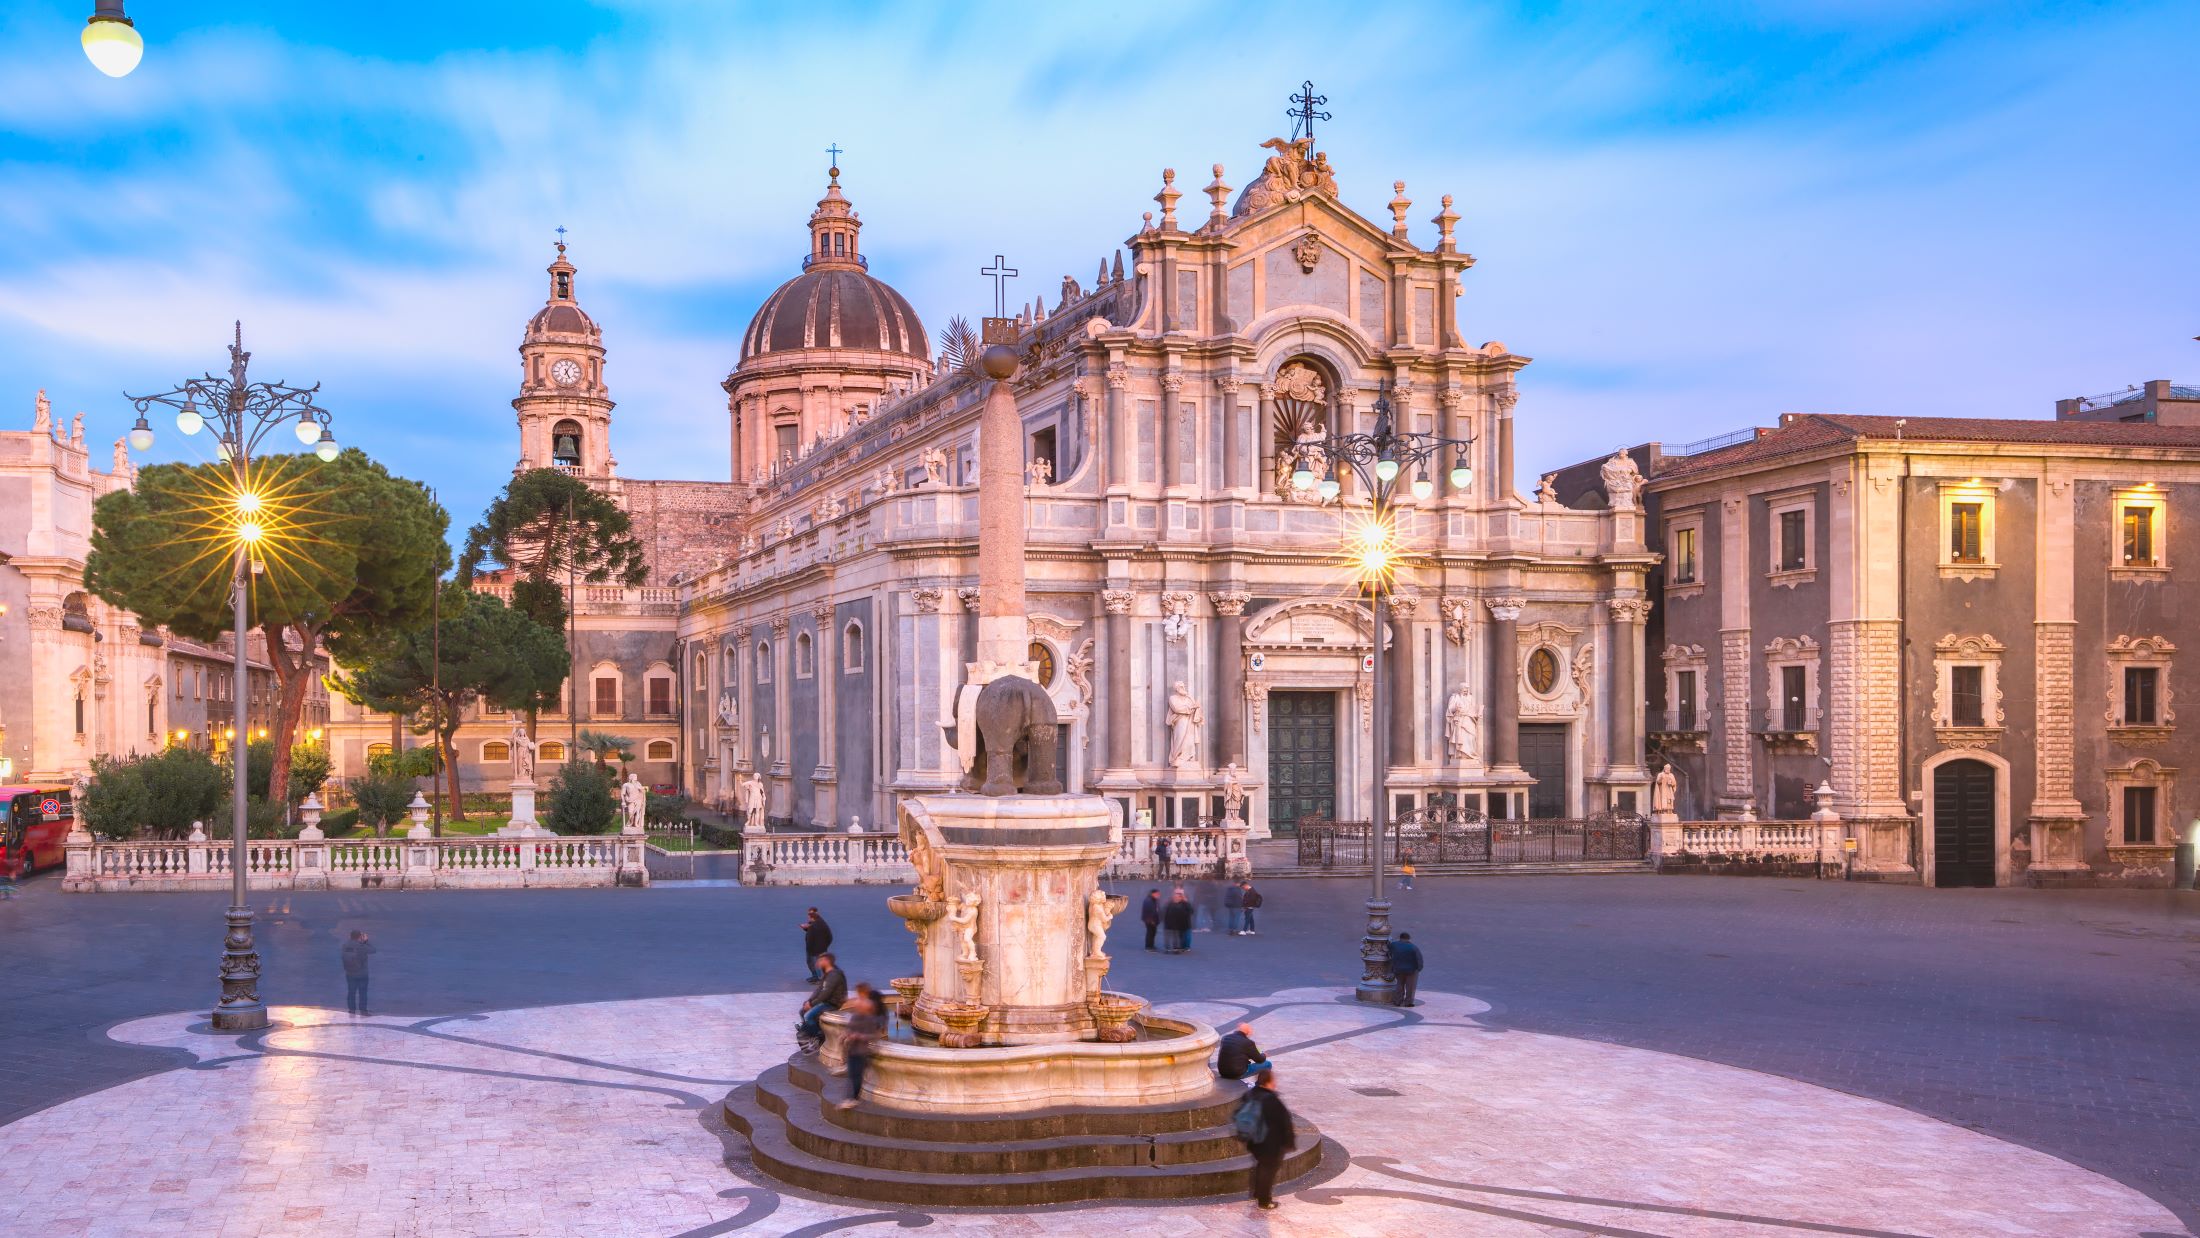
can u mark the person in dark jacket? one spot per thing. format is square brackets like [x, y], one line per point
[817, 938]
[1233, 907]
[1251, 900]
[1150, 913]
[355, 954]
[1276, 1140]
[1162, 859]
[1238, 1056]
[866, 1024]
[1177, 918]
[831, 991]
[1405, 965]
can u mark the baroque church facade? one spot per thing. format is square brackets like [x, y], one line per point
[808, 621]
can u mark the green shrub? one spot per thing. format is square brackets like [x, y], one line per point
[308, 769]
[342, 821]
[380, 798]
[261, 820]
[581, 800]
[158, 795]
[666, 809]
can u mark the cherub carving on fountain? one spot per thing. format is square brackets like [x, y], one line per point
[965, 919]
[1100, 908]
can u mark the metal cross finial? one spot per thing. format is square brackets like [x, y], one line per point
[1302, 111]
[834, 151]
[1001, 273]
[561, 238]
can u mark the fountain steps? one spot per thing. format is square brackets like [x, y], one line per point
[1046, 1156]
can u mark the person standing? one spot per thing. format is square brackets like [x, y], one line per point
[1177, 918]
[355, 954]
[1405, 875]
[1150, 915]
[1251, 900]
[1264, 1123]
[1233, 907]
[1405, 967]
[817, 938]
[1161, 860]
[866, 1023]
[831, 991]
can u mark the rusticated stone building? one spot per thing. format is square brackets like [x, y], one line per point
[1970, 627]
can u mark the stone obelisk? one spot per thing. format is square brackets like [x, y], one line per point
[1004, 633]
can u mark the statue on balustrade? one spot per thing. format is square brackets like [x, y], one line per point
[1664, 791]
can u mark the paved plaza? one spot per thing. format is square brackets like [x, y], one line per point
[1622, 1055]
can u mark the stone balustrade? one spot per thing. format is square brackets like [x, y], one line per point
[880, 859]
[414, 861]
[1817, 840]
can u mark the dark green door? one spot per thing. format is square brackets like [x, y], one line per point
[1963, 824]
[1302, 758]
[1543, 755]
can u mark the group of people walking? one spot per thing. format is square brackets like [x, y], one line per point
[1174, 918]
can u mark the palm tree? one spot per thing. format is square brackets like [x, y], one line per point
[603, 747]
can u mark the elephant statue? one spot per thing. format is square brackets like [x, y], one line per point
[1016, 740]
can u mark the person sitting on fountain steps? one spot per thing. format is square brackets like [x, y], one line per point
[831, 991]
[1237, 1056]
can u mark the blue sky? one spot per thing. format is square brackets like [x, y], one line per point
[1694, 216]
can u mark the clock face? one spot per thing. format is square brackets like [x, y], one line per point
[566, 371]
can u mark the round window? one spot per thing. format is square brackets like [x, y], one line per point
[1042, 656]
[1542, 671]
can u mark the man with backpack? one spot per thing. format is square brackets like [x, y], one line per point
[1250, 900]
[1264, 1125]
[1233, 907]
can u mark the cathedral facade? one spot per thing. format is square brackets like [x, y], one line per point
[809, 620]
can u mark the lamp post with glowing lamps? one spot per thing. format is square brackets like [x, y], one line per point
[1379, 459]
[241, 413]
[111, 41]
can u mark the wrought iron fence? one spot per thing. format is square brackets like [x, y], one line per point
[1446, 835]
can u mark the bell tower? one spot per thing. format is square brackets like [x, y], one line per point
[564, 408]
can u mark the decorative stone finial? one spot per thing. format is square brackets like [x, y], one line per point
[1218, 194]
[1167, 198]
[1148, 218]
[1398, 208]
[1446, 220]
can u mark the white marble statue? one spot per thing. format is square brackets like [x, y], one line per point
[523, 752]
[965, 919]
[1545, 490]
[1459, 723]
[1233, 793]
[1186, 717]
[729, 709]
[634, 803]
[1664, 790]
[752, 801]
[1099, 909]
[935, 466]
[1621, 480]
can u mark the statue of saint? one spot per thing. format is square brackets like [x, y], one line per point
[1459, 723]
[752, 802]
[1621, 480]
[729, 709]
[1233, 794]
[1664, 790]
[523, 752]
[1185, 718]
[965, 919]
[634, 803]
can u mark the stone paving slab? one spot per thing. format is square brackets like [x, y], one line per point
[599, 1119]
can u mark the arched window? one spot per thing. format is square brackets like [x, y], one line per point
[657, 693]
[551, 750]
[377, 751]
[805, 660]
[565, 444]
[851, 649]
[658, 750]
[763, 661]
[495, 752]
[702, 670]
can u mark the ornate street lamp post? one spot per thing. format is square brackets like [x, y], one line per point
[241, 414]
[1378, 459]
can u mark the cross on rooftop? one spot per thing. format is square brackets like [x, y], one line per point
[1001, 273]
[1302, 111]
[834, 151]
[561, 238]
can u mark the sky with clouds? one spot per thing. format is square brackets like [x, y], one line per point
[1694, 216]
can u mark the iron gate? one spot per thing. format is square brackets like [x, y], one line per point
[1465, 836]
[671, 851]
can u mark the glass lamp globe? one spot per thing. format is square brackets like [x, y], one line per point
[1422, 487]
[221, 450]
[326, 448]
[112, 45]
[308, 430]
[1330, 488]
[1302, 477]
[188, 419]
[1461, 475]
[141, 436]
[1386, 468]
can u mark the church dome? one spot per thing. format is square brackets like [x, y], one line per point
[561, 314]
[835, 302]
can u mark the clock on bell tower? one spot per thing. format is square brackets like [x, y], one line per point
[564, 408]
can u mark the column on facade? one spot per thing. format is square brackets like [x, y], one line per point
[1233, 438]
[1172, 383]
[782, 716]
[1864, 661]
[1117, 603]
[826, 808]
[1505, 485]
[1623, 701]
[2057, 818]
[1452, 399]
[1230, 659]
[1504, 681]
[1120, 431]
[1401, 681]
[1737, 790]
[1264, 436]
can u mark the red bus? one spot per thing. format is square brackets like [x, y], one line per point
[33, 823]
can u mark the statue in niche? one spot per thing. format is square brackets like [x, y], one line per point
[965, 919]
[1664, 791]
[729, 709]
[1459, 723]
[1186, 717]
[935, 466]
[1233, 794]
